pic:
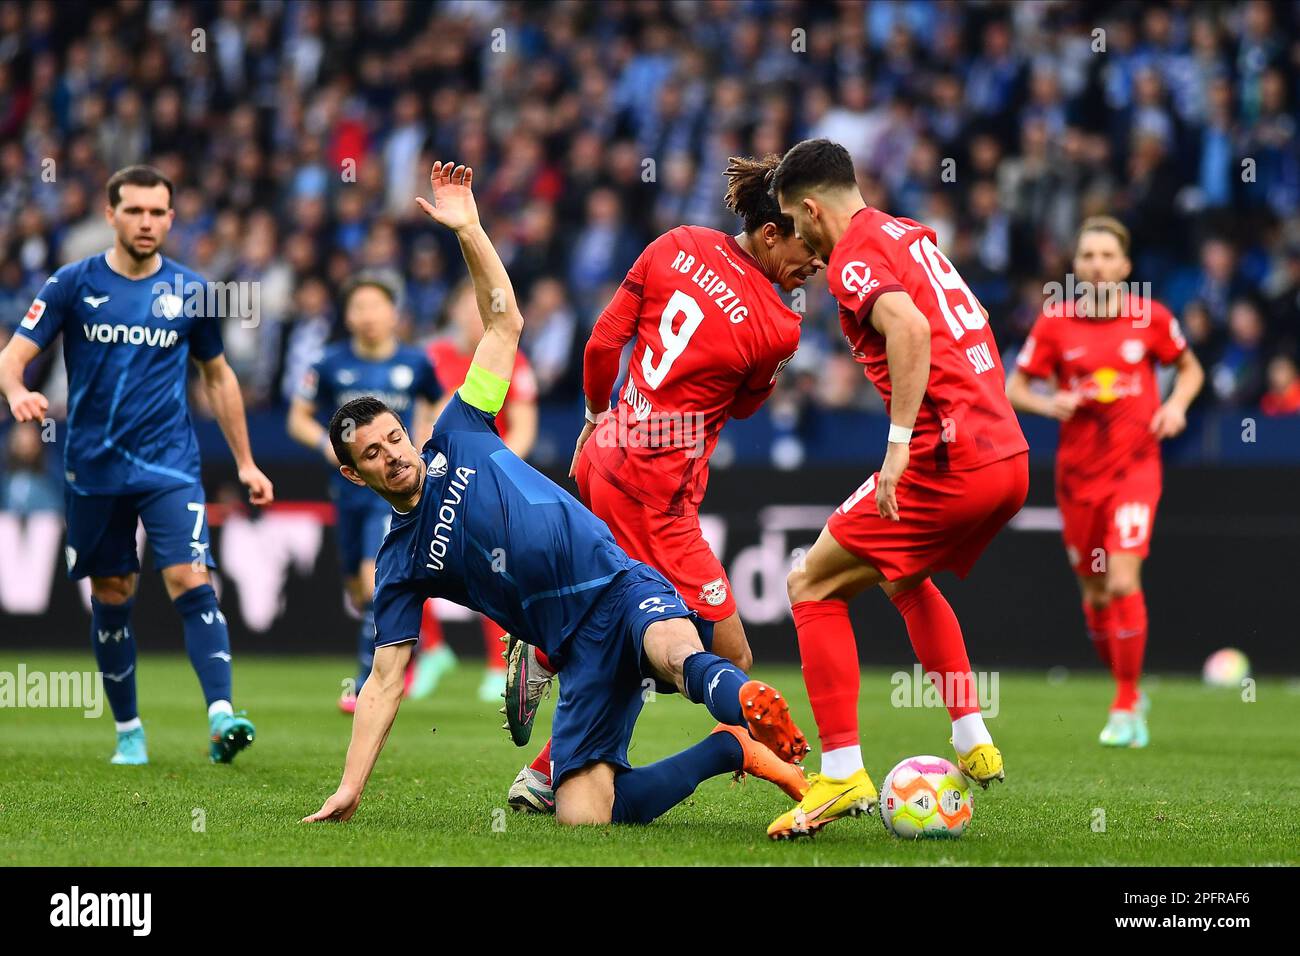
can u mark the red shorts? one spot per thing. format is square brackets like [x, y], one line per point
[1110, 519]
[671, 544]
[946, 518]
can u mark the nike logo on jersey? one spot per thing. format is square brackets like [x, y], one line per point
[1071, 354]
[95, 301]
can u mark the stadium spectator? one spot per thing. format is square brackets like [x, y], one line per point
[26, 485]
[1283, 395]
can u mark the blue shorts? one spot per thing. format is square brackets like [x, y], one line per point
[602, 679]
[361, 531]
[102, 529]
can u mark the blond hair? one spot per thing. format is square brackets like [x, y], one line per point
[1107, 224]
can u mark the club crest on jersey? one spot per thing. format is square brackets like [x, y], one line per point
[346, 377]
[438, 466]
[34, 314]
[1132, 351]
[856, 277]
[401, 376]
[169, 306]
[714, 593]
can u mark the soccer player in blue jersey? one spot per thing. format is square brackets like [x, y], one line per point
[132, 319]
[473, 523]
[373, 361]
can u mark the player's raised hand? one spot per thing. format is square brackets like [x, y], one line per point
[1064, 404]
[260, 490]
[453, 200]
[891, 471]
[1169, 420]
[28, 406]
[338, 808]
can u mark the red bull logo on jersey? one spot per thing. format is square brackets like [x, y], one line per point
[130, 335]
[1107, 385]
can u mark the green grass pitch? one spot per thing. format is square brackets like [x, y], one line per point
[1217, 786]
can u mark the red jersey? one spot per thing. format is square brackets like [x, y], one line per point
[451, 365]
[965, 420]
[1111, 364]
[711, 337]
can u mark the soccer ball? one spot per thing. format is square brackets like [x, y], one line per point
[926, 796]
[1226, 668]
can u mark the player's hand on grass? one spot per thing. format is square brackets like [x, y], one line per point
[1169, 420]
[453, 200]
[338, 808]
[583, 435]
[28, 406]
[1064, 404]
[896, 459]
[260, 490]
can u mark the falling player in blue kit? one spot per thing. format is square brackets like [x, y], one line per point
[473, 523]
[132, 319]
[373, 361]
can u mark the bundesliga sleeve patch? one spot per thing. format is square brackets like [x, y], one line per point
[34, 314]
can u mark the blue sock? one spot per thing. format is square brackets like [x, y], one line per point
[715, 682]
[365, 644]
[207, 641]
[642, 794]
[114, 644]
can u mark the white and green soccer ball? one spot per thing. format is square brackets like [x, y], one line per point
[1226, 668]
[926, 797]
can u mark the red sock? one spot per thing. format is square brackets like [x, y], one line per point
[542, 762]
[1101, 629]
[936, 637]
[829, 653]
[430, 629]
[1129, 647]
[493, 645]
[541, 658]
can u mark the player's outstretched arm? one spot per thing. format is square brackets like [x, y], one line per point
[453, 206]
[228, 404]
[1059, 404]
[377, 706]
[1171, 418]
[14, 358]
[907, 349]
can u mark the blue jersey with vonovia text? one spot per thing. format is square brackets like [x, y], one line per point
[494, 535]
[126, 345]
[342, 375]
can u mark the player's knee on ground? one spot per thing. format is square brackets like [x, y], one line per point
[729, 641]
[666, 646]
[586, 797]
[117, 589]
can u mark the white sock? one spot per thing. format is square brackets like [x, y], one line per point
[842, 762]
[969, 732]
[124, 725]
[220, 707]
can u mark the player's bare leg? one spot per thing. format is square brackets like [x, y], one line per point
[586, 796]
[729, 641]
[208, 644]
[1117, 601]
[112, 598]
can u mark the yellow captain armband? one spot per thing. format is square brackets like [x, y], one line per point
[483, 390]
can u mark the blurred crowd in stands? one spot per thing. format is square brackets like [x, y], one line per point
[298, 133]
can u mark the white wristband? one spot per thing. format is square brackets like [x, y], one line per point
[595, 418]
[899, 434]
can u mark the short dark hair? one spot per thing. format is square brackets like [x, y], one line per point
[371, 280]
[748, 196]
[811, 165]
[350, 416]
[136, 176]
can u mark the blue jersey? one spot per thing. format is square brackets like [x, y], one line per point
[341, 375]
[126, 343]
[493, 535]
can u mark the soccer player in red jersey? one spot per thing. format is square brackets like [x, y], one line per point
[1101, 353]
[955, 471]
[516, 423]
[711, 338]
